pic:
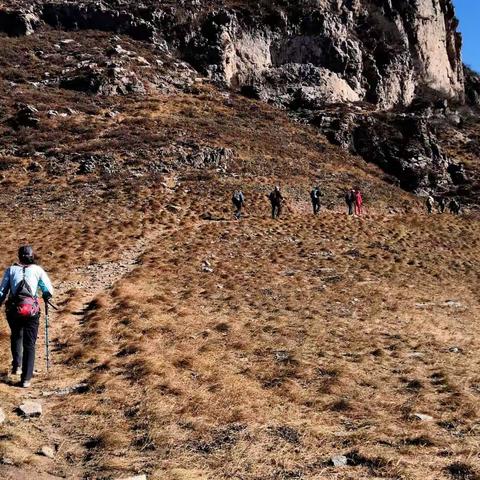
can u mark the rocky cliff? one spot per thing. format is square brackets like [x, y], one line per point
[385, 52]
[327, 51]
[349, 67]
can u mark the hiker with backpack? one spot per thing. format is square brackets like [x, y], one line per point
[442, 204]
[21, 283]
[350, 200]
[238, 201]
[315, 195]
[358, 203]
[430, 203]
[276, 200]
[454, 207]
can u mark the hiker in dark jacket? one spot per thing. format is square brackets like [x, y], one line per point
[454, 207]
[350, 201]
[276, 200]
[315, 195]
[238, 201]
[442, 204]
[21, 283]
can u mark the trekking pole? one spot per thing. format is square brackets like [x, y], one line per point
[47, 351]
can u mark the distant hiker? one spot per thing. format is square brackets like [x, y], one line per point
[442, 204]
[454, 207]
[238, 201]
[315, 195]
[358, 203]
[430, 203]
[22, 281]
[350, 201]
[276, 200]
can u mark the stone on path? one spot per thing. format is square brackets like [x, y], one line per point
[339, 461]
[48, 452]
[137, 477]
[30, 409]
[423, 418]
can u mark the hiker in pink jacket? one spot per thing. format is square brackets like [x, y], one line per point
[358, 203]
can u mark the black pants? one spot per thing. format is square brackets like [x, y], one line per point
[23, 338]
[238, 211]
[316, 207]
[350, 208]
[276, 210]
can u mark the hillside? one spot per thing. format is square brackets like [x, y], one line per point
[189, 346]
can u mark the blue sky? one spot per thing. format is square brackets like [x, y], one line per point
[468, 12]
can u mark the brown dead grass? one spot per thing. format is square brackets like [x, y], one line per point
[312, 336]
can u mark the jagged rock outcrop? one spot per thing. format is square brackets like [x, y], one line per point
[404, 145]
[139, 24]
[472, 87]
[383, 52]
[18, 22]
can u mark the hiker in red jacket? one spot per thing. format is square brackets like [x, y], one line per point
[358, 203]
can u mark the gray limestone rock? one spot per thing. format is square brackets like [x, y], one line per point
[30, 409]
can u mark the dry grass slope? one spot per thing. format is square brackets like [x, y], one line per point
[311, 337]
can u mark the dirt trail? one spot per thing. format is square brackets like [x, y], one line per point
[98, 277]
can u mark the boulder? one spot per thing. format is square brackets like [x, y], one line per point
[26, 116]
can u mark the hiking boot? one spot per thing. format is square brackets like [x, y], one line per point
[17, 371]
[26, 384]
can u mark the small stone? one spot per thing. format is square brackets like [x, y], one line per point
[34, 167]
[7, 461]
[453, 304]
[137, 477]
[173, 208]
[30, 409]
[339, 461]
[47, 452]
[423, 418]
[67, 41]
[415, 355]
[2, 416]
[455, 350]
[143, 61]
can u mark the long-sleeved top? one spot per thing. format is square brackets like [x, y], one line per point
[35, 277]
